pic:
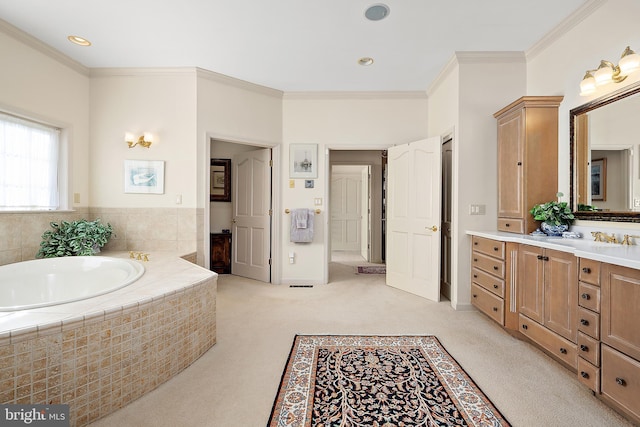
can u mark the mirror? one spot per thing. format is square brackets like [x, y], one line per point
[605, 157]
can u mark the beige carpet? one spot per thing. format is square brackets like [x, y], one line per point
[235, 383]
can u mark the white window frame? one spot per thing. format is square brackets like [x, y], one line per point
[63, 166]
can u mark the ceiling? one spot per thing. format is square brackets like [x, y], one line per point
[290, 45]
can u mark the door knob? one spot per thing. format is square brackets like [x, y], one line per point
[233, 220]
[432, 228]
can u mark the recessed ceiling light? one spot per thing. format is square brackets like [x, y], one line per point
[376, 12]
[79, 40]
[365, 61]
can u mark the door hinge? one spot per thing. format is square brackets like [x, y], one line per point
[270, 212]
[269, 261]
[270, 163]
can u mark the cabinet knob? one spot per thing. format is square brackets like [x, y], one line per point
[525, 327]
[475, 243]
[507, 225]
[475, 276]
[583, 374]
[586, 296]
[621, 381]
[584, 347]
[475, 296]
[495, 267]
[495, 308]
[475, 260]
[584, 322]
[563, 350]
[519, 163]
[495, 286]
[539, 256]
[495, 248]
[545, 258]
[586, 270]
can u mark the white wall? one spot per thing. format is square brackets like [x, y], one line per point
[372, 121]
[40, 86]
[558, 68]
[162, 102]
[462, 102]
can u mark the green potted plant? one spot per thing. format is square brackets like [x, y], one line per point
[74, 238]
[556, 216]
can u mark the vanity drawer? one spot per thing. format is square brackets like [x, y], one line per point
[589, 271]
[488, 303]
[589, 349]
[589, 322]
[620, 380]
[589, 375]
[489, 247]
[563, 349]
[489, 282]
[511, 225]
[488, 264]
[589, 297]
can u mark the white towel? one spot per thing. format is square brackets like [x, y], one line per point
[302, 234]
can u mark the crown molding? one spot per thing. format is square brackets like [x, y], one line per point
[43, 48]
[142, 72]
[565, 26]
[488, 57]
[354, 95]
[242, 84]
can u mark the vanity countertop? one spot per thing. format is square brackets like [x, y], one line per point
[612, 253]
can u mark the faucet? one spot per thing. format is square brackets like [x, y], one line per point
[598, 236]
[628, 239]
[611, 239]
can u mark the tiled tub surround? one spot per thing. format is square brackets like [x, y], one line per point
[179, 230]
[98, 355]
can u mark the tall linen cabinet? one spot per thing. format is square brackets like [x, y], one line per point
[527, 160]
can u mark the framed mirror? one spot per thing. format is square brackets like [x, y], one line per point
[604, 132]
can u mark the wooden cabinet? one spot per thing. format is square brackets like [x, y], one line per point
[548, 293]
[527, 159]
[492, 281]
[589, 323]
[620, 335]
[221, 253]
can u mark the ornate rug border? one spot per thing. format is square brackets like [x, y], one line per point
[290, 359]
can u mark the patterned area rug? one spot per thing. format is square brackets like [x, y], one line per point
[332, 381]
[372, 269]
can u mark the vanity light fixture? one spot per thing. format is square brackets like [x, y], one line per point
[144, 140]
[607, 72]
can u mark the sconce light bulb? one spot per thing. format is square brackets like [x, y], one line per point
[604, 73]
[128, 136]
[629, 61]
[588, 84]
[148, 137]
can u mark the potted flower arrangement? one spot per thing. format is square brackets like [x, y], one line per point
[74, 238]
[556, 216]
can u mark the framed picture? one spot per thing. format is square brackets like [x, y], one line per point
[303, 161]
[144, 176]
[220, 180]
[599, 179]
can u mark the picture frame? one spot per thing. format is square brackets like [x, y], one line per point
[599, 179]
[303, 161]
[144, 176]
[220, 184]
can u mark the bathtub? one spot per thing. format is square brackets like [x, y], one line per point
[102, 353]
[52, 281]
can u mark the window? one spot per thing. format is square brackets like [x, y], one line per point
[28, 164]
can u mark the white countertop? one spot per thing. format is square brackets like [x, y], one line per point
[613, 253]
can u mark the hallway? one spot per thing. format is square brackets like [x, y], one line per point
[234, 384]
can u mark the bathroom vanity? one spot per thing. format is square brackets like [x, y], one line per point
[576, 299]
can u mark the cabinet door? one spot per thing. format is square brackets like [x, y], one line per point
[510, 165]
[620, 316]
[530, 275]
[561, 293]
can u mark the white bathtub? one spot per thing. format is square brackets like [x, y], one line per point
[52, 281]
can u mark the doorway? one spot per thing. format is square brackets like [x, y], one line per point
[355, 206]
[446, 237]
[245, 219]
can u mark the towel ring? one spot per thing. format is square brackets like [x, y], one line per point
[317, 211]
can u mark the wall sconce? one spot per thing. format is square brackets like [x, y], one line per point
[608, 72]
[144, 140]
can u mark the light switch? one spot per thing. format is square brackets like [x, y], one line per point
[292, 183]
[317, 201]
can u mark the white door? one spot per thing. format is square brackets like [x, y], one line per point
[365, 227]
[251, 204]
[413, 217]
[346, 211]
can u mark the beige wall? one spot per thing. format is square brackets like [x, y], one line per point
[348, 121]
